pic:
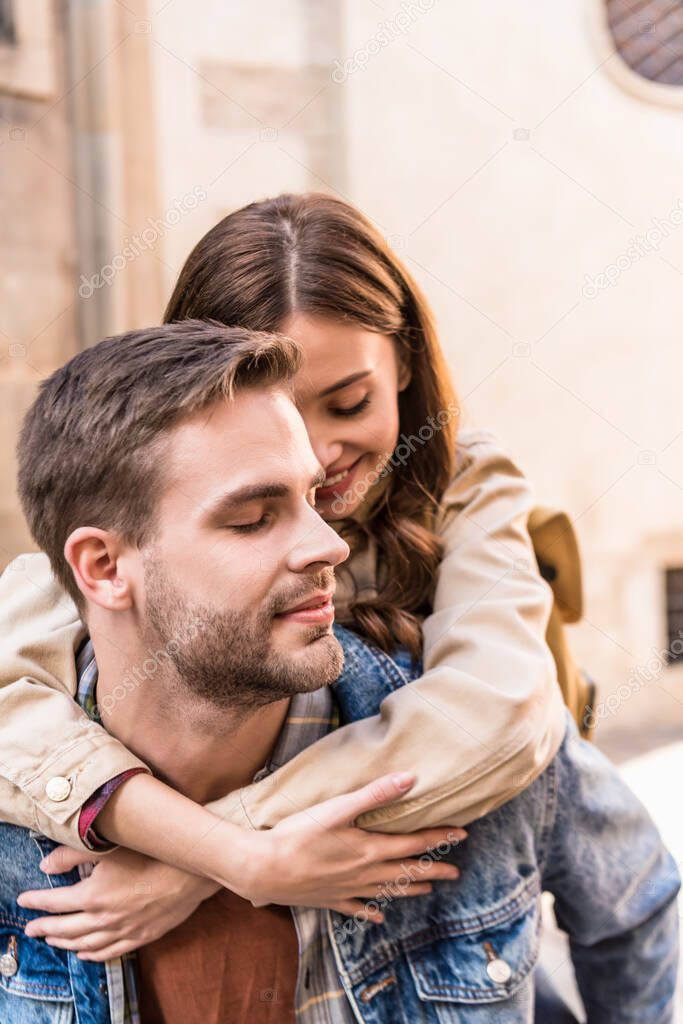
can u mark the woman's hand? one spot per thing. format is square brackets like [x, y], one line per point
[319, 858]
[127, 902]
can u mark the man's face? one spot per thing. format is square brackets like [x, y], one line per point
[238, 580]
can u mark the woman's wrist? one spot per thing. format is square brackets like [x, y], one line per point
[146, 815]
[232, 856]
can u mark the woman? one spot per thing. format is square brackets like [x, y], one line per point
[441, 565]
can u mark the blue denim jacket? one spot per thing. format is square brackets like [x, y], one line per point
[466, 952]
[49, 982]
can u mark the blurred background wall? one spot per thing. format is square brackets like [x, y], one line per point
[525, 160]
[530, 179]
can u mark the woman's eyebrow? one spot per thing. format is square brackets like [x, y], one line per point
[345, 381]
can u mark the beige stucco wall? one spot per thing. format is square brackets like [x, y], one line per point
[510, 159]
[499, 146]
[38, 320]
[245, 107]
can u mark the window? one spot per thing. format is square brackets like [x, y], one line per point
[29, 47]
[648, 34]
[8, 34]
[674, 614]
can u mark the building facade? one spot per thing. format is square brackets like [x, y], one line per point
[519, 159]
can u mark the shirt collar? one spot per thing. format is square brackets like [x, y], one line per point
[310, 717]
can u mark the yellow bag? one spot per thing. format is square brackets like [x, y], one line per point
[559, 562]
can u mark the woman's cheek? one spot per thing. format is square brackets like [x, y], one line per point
[376, 438]
[385, 430]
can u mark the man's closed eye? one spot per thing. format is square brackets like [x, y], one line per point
[254, 527]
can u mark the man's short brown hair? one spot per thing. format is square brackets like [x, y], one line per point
[91, 447]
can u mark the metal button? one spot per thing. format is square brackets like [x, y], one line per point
[9, 965]
[499, 971]
[58, 789]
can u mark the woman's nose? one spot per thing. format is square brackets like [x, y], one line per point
[328, 451]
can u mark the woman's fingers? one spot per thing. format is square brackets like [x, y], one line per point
[68, 926]
[439, 840]
[341, 810]
[352, 907]
[387, 892]
[409, 871]
[367, 903]
[110, 952]
[404, 874]
[64, 859]
[64, 900]
[86, 943]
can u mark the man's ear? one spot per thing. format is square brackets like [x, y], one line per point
[93, 555]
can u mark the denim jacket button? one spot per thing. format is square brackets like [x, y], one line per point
[499, 971]
[58, 789]
[8, 965]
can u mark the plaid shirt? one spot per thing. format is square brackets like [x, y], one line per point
[320, 998]
[122, 981]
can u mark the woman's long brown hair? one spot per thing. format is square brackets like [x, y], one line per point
[316, 254]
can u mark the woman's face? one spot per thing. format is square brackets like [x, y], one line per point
[347, 392]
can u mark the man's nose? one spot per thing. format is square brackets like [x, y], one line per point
[317, 545]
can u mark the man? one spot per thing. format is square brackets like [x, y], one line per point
[170, 480]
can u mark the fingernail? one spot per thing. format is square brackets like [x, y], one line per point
[403, 779]
[43, 864]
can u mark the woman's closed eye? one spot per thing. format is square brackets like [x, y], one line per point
[352, 410]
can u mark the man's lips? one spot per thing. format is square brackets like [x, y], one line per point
[338, 482]
[315, 610]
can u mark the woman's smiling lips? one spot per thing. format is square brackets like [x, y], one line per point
[317, 610]
[336, 484]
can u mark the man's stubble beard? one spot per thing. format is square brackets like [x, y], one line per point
[224, 658]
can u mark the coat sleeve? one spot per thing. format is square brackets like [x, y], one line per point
[44, 734]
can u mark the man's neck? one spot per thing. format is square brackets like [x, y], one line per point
[202, 751]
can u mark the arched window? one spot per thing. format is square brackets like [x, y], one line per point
[648, 34]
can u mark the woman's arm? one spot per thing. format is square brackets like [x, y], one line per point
[44, 734]
[486, 717]
[318, 858]
[478, 726]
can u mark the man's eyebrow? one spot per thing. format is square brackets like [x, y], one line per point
[243, 495]
[345, 381]
[258, 492]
